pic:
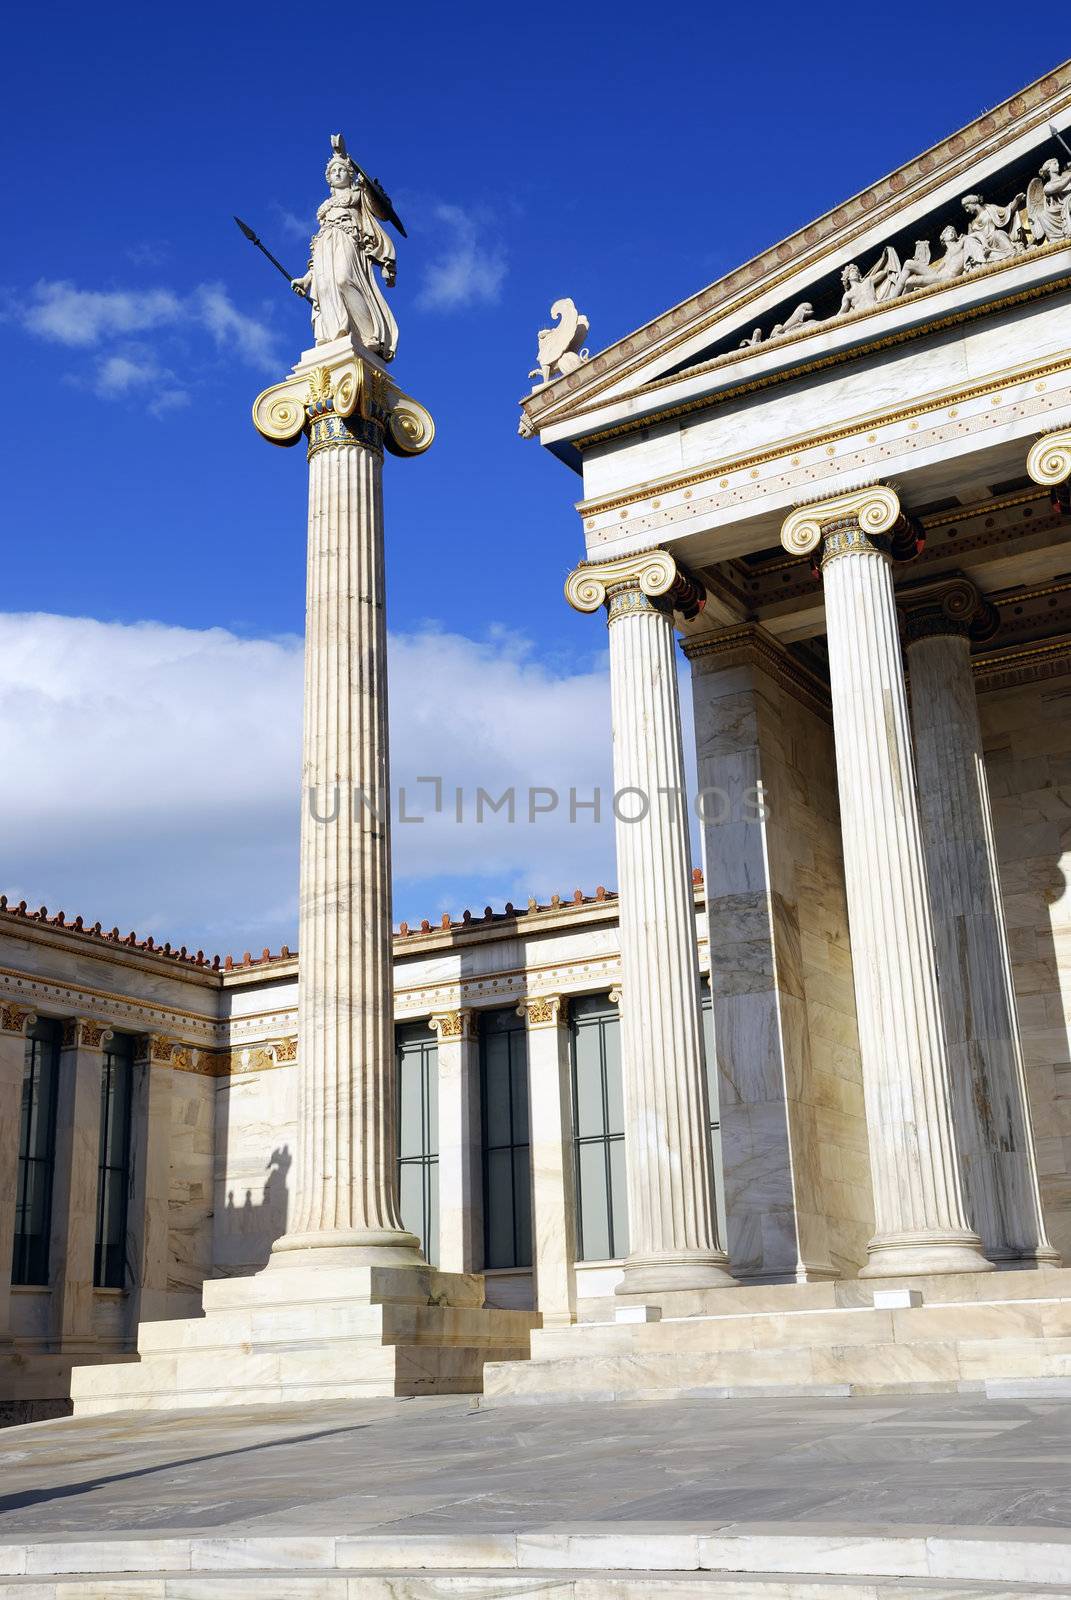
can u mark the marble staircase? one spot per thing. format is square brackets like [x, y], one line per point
[296, 1335]
[972, 1330]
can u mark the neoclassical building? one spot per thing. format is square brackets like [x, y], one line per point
[799, 1117]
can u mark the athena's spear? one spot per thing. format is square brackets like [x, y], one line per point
[251, 236]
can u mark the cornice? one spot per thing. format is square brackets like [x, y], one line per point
[1010, 669]
[1023, 113]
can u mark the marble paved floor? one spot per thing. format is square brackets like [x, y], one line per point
[423, 1466]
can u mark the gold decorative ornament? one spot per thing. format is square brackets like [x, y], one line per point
[653, 572]
[410, 429]
[453, 1025]
[544, 1011]
[15, 1019]
[873, 510]
[1049, 460]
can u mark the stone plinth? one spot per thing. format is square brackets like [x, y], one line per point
[313, 1333]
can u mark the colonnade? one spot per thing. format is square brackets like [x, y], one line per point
[952, 1165]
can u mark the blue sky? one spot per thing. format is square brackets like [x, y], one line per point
[623, 155]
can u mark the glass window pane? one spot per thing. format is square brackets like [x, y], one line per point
[410, 1114]
[615, 1104]
[116, 1093]
[431, 1242]
[519, 1079]
[496, 1090]
[588, 1079]
[618, 1197]
[411, 1196]
[593, 1214]
[36, 1154]
[498, 1227]
[522, 1207]
[431, 1099]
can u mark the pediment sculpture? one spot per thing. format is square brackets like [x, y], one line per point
[992, 234]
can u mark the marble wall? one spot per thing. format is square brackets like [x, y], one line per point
[256, 1138]
[793, 1130]
[1027, 735]
[190, 1230]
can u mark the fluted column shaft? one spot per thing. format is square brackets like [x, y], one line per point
[672, 1220]
[672, 1226]
[992, 1115]
[346, 1174]
[920, 1222]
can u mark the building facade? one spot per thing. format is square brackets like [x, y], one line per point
[839, 479]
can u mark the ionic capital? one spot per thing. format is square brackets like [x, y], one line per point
[544, 1011]
[345, 401]
[15, 1019]
[650, 580]
[948, 606]
[454, 1024]
[1049, 460]
[82, 1033]
[846, 524]
[155, 1049]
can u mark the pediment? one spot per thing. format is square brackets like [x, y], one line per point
[877, 259]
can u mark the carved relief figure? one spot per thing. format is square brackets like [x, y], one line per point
[341, 281]
[863, 290]
[1048, 202]
[558, 349]
[919, 270]
[994, 233]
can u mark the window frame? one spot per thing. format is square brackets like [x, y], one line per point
[520, 1168]
[44, 1041]
[584, 1014]
[109, 1254]
[409, 1037]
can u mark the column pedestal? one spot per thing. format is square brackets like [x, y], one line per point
[672, 1220]
[921, 1224]
[992, 1117]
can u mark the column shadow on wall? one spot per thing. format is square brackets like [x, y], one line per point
[252, 1219]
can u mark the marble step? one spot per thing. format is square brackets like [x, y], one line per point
[299, 1284]
[922, 1348]
[259, 1326]
[341, 1370]
[953, 1288]
[1020, 1319]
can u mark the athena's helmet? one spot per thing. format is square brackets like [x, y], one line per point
[340, 156]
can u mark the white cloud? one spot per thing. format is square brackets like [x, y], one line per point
[233, 329]
[469, 269]
[104, 320]
[65, 314]
[293, 224]
[157, 774]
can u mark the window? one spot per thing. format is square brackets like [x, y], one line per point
[418, 1135]
[507, 1171]
[599, 1131]
[116, 1094]
[715, 1112]
[37, 1154]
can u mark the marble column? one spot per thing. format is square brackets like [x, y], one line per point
[346, 1207]
[460, 1177]
[149, 1206]
[672, 1219]
[992, 1115]
[14, 1021]
[550, 1118]
[74, 1187]
[920, 1220]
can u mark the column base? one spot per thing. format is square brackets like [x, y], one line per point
[699, 1269]
[347, 1247]
[924, 1254]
